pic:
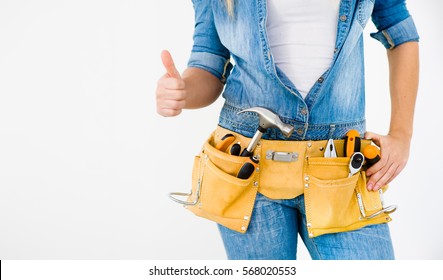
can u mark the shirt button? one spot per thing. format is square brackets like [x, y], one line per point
[321, 79]
[304, 111]
[343, 17]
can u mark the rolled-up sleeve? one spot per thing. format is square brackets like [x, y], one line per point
[394, 23]
[208, 53]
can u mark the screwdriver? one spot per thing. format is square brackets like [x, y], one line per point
[235, 149]
[247, 168]
[372, 155]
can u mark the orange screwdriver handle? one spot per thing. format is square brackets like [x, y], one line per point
[372, 155]
[226, 140]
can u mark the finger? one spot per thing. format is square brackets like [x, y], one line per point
[375, 176]
[377, 166]
[387, 176]
[165, 112]
[374, 137]
[171, 83]
[171, 94]
[172, 104]
[169, 65]
[397, 171]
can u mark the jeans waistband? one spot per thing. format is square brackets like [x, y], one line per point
[247, 123]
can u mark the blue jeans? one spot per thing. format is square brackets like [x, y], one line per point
[273, 234]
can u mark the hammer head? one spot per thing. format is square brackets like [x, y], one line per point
[269, 119]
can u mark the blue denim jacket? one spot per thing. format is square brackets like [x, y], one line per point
[336, 102]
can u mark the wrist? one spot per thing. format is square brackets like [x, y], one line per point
[402, 134]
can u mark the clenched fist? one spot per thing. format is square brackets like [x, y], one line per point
[171, 89]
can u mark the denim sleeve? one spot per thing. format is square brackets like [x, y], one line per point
[395, 24]
[208, 53]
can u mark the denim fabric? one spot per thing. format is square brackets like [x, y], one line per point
[276, 224]
[236, 50]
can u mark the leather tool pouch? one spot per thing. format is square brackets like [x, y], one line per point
[334, 202]
[217, 194]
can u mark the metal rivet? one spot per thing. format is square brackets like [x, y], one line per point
[321, 149]
[335, 50]
[257, 169]
[306, 178]
[243, 228]
[311, 234]
[300, 131]
[309, 144]
[255, 183]
[246, 217]
[309, 225]
[343, 17]
[321, 79]
[306, 185]
[304, 111]
[258, 143]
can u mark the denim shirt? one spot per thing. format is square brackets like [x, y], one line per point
[235, 48]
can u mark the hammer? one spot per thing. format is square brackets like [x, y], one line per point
[267, 119]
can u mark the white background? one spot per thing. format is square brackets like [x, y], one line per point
[86, 163]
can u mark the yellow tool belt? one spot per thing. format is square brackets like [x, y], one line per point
[334, 201]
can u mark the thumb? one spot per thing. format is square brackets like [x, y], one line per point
[169, 65]
[374, 137]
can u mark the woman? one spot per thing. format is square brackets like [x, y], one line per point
[303, 60]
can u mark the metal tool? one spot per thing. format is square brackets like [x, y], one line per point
[357, 160]
[281, 156]
[330, 151]
[194, 201]
[267, 119]
[352, 142]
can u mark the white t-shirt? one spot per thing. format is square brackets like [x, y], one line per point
[302, 36]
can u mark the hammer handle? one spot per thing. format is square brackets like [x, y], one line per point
[250, 149]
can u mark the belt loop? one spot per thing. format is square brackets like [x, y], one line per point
[331, 130]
